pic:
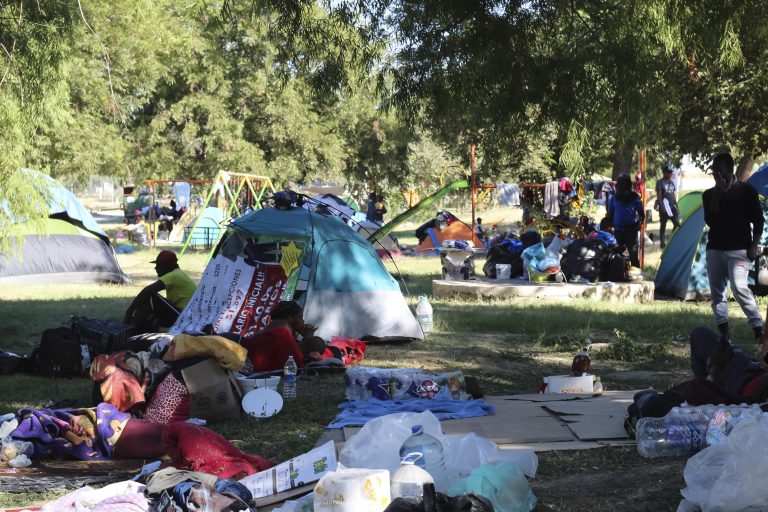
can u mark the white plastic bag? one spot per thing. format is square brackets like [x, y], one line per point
[730, 475]
[377, 445]
[352, 490]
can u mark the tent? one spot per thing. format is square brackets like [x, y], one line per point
[456, 230]
[329, 204]
[68, 248]
[271, 255]
[682, 271]
[206, 228]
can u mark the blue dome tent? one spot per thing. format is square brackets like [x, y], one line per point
[270, 255]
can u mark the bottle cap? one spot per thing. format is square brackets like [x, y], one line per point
[597, 377]
[411, 458]
[417, 429]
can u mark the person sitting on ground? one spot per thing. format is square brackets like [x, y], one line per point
[150, 310]
[269, 349]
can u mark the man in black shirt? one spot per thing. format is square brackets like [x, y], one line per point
[735, 219]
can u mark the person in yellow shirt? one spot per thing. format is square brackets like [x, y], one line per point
[150, 310]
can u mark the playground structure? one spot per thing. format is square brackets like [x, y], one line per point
[239, 191]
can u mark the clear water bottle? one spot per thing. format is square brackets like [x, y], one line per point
[681, 432]
[431, 450]
[408, 481]
[597, 387]
[289, 378]
[424, 314]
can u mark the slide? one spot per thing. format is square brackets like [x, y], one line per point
[421, 205]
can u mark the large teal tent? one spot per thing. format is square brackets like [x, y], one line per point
[68, 247]
[269, 254]
[682, 269]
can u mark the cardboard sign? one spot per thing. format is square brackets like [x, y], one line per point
[213, 391]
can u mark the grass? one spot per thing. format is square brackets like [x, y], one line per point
[509, 345]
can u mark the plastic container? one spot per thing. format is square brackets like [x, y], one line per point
[432, 460]
[503, 271]
[408, 481]
[568, 384]
[424, 314]
[289, 378]
[683, 431]
[597, 387]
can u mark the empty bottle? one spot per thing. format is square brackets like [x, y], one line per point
[681, 432]
[289, 378]
[597, 387]
[408, 481]
[424, 314]
[432, 460]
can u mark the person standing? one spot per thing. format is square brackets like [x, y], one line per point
[627, 212]
[735, 219]
[666, 204]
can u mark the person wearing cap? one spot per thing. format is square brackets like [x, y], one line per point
[627, 212]
[150, 310]
[666, 204]
[735, 219]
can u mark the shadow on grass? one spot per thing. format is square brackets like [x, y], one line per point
[25, 320]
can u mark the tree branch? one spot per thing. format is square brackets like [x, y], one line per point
[107, 59]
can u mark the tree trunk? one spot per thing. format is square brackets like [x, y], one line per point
[744, 168]
[622, 159]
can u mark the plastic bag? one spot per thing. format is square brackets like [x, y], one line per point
[12, 449]
[537, 258]
[352, 490]
[303, 504]
[504, 485]
[377, 445]
[730, 475]
[439, 502]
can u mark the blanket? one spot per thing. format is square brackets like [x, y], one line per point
[359, 412]
[86, 434]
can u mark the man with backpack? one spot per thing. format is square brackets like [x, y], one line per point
[150, 310]
[627, 212]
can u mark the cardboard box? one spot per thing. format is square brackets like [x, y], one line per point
[213, 391]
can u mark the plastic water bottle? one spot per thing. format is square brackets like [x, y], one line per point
[289, 378]
[681, 432]
[408, 481]
[597, 387]
[431, 451]
[424, 314]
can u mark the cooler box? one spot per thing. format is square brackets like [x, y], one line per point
[102, 336]
[457, 264]
[568, 384]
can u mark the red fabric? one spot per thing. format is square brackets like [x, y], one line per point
[141, 439]
[119, 386]
[269, 349]
[200, 449]
[751, 386]
[352, 350]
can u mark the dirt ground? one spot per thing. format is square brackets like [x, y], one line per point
[607, 479]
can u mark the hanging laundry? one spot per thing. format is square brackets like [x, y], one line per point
[551, 206]
[411, 196]
[508, 194]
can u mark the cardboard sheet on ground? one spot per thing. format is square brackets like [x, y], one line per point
[66, 474]
[552, 421]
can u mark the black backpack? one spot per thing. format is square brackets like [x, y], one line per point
[584, 257]
[615, 268]
[59, 354]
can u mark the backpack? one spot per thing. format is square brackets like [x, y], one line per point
[584, 257]
[350, 351]
[615, 268]
[59, 354]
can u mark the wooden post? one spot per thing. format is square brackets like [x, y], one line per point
[641, 162]
[473, 187]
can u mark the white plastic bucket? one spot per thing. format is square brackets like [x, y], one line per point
[503, 271]
[568, 384]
